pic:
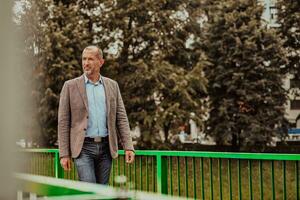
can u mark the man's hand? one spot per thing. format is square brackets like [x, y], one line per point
[66, 163]
[129, 156]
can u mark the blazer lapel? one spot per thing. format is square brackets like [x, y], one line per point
[81, 86]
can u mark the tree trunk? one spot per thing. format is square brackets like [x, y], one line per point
[234, 143]
[166, 131]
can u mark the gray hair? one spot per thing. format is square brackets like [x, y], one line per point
[94, 47]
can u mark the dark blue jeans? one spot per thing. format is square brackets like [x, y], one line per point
[94, 162]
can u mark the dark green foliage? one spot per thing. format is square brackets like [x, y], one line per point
[245, 80]
[289, 20]
[56, 35]
[161, 78]
[160, 75]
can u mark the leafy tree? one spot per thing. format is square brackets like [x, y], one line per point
[245, 81]
[160, 75]
[157, 63]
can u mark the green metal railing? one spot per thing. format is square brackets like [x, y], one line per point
[198, 175]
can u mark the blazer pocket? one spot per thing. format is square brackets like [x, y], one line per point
[77, 106]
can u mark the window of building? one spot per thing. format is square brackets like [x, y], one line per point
[295, 104]
[292, 125]
[295, 83]
[273, 13]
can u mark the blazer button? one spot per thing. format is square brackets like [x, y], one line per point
[87, 117]
[84, 129]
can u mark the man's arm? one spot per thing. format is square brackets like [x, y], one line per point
[122, 123]
[64, 117]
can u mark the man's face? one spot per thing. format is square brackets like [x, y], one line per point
[91, 62]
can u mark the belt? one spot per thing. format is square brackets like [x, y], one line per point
[97, 139]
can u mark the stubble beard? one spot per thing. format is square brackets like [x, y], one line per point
[87, 72]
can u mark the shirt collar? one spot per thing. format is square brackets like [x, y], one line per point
[87, 80]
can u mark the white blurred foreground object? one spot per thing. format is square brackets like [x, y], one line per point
[11, 87]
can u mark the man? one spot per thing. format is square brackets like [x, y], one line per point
[91, 118]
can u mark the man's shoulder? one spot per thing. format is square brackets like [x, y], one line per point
[108, 80]
[73, 80]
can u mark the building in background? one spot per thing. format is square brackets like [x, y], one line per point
[290, 83]
[270, 12]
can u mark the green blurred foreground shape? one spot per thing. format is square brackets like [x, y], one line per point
[61, 189]
[191, 174]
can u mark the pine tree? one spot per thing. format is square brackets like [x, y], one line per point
[289, 20]
[56, 35]
[245, 81]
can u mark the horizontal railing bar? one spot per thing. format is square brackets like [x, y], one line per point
[205, 154]
[42, 150]
[256, 156]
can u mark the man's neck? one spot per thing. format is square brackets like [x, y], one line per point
[94, 77]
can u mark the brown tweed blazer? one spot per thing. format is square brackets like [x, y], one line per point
[73, 117]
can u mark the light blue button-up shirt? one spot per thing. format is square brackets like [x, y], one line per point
[97, 108]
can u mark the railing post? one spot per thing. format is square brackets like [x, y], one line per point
[162, 174]
[59, 172]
